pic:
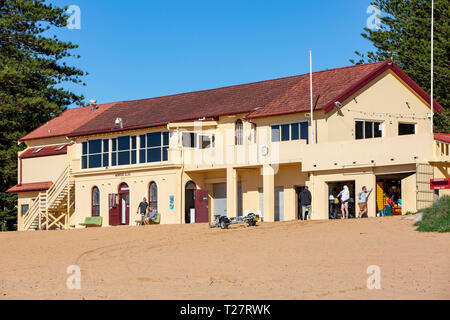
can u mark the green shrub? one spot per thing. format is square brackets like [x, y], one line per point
[436, 218]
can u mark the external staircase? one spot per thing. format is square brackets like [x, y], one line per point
[52, 208]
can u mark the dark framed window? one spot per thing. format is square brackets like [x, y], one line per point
[206, 141]
[239, 133]
[368, 129]
[189, 139]
[290, 132]
[153, 147]
[95, 154]
[285, 132]
[295, 131]
[153, 197]
[95, 202]
[406, 128]
[124, 151]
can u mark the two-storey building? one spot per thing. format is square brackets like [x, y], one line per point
[237, 149]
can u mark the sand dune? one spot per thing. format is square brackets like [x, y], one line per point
[286, 260]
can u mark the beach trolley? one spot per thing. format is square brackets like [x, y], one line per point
[223, 221]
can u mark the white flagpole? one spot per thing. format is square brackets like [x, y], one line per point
[311, 93]
[432, 65]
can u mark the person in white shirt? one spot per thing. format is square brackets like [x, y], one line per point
[345, 197]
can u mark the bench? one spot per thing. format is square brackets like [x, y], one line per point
[92, 221]
[156, 221]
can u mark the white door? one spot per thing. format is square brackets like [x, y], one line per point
[124, 211]
[220, 199]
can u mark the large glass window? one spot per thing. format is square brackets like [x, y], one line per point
[124, 150]
[154, 147]
[288, 132]
[368, 129]
[95, 154]
[95, 202]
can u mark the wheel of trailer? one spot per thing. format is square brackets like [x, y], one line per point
[252, 223]
[223, 224]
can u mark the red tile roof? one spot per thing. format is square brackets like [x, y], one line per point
[258, 99]
[443, 137]
[28, 187]
[188, 106]
[44, 151]
[66, 122]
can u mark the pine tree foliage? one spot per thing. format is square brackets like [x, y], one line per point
[405, 37]
[33, 71]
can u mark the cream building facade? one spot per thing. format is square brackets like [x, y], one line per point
[371, 128]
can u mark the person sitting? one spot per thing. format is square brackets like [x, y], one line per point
[150, 217]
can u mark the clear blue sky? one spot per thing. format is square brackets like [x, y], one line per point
[139, 49]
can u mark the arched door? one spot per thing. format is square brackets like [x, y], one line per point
[124, 204]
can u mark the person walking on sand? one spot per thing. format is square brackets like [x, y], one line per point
[362, 201]
[142, 208]
[305, 201]
[345, 198]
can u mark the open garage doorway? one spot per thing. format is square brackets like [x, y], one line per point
[395, 193]
[335, 202]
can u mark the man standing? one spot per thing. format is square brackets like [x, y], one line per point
[142, 208]
[305, 202]
[362, 201]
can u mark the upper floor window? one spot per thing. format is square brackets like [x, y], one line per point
[368, 129]
[123, 151]
[293, 131]
[95, 202]
[154, 147]
[95, 153]
[406, 128]
[239, 133]
[196, 140]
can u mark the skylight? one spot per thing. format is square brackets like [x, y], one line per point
[38, 150]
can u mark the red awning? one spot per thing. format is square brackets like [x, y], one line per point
[28, 187]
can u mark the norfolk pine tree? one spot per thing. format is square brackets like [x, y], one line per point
[33, 70]
[405, 37]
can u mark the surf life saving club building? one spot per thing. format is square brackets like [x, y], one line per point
[237, 149]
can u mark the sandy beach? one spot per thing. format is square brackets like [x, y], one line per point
[284, 260]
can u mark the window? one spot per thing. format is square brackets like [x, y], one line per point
[153, 197]
[189, 139]
[239, 135]
[368, 129]
[406, 128]
[24, 209]
[124, 150]
[206, 141]
[95, 202]
[289, 132]
[154, 147]
[95, 153]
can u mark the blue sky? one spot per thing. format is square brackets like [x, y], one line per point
[139, 49]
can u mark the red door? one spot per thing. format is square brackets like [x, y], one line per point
[201, 206]
[114, 213]
[124, 204]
